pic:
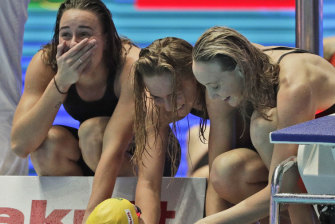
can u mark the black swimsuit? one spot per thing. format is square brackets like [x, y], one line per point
[290, 49]
[82, 110]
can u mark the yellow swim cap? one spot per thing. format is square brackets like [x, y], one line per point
[114, 211]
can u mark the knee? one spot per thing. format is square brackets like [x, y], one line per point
[90, 134]
[53, 149]
[224, 172]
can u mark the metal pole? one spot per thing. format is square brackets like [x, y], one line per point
[276, 182]
[309, 25]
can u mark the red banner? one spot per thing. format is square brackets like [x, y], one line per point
[214, 4]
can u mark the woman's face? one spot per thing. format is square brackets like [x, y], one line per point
[161, 90]
[224, 85]
[76, 25]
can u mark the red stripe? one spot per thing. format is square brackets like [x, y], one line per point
[215, 4]
[332, 59]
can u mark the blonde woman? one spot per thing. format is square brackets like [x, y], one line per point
[166, 91]
[272, 87]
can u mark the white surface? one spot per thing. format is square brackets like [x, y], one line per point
[316, 164]
[67, 197]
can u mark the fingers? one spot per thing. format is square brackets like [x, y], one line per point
[60, 49]
[88, 48]
[83, 61]
[75, 53]
[76, 49]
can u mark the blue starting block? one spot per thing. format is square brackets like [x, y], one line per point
[315, 162]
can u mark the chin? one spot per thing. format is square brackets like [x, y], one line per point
[234, 103]
[183, 112]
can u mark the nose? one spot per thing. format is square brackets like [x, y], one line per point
[74, 41]
[212, 94]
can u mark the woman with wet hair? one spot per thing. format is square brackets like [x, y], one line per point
[271, 88]
[165, 92]
[86, 67]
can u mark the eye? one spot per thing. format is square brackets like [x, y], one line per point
[156, 99]
[84, 34]
[65, 35]
[214, 87]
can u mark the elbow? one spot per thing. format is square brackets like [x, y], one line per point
[19, 149]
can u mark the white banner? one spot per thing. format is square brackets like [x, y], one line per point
[62, 200]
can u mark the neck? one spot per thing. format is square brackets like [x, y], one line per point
[94, 77]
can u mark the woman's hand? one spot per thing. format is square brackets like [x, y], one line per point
[85, 218]
[72, 62]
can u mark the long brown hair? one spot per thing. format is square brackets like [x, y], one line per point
[113, 51]
[231, 49]
[164, 56]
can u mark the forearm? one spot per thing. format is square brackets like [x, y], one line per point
[103, 183]
[249, 210]
[148, 199]
[31, 127]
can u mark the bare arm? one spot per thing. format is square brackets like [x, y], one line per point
[117, 137]
[148, 190]
[221, 140]
[41, 100]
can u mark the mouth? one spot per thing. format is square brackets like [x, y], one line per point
[180, 107]
[226, 99]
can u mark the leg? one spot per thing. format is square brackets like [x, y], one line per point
[237, 174]
[58, 154]
[91, 134]
[197, 153]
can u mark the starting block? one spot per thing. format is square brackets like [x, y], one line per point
[56, 200]
[315, 161]
[316, 153]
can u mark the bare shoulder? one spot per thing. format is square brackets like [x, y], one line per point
[308, 74]
[38, 73]
[124, 80]
[328, 47]
[304, 68]
[130, 55]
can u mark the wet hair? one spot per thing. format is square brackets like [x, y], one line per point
[171, 56]
[113, 49]
[259, 74]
